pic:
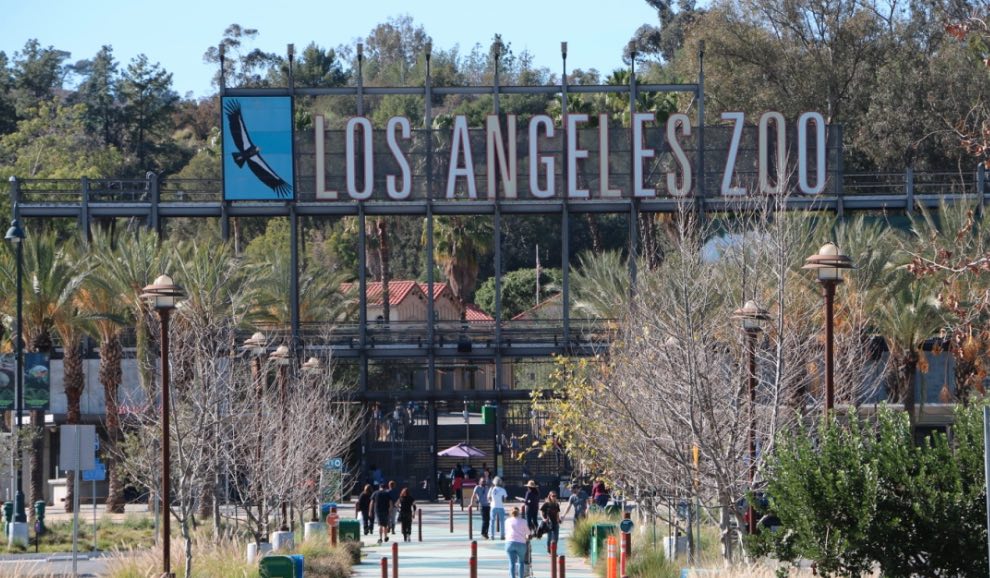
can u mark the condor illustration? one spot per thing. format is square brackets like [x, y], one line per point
[257, 154]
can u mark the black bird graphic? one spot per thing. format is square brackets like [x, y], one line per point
[248, 152]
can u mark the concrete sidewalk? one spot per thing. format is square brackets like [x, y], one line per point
[442, 554]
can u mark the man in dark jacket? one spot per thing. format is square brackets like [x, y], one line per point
[382, 504]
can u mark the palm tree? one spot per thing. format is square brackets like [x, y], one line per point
[54, 278]
[124, 267]
[907, 317]
[601, 285]
[321, 298]
[459, 243]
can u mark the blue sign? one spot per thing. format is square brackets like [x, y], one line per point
[97, 474]
[626, 526]
[335, 464]
[257, 148]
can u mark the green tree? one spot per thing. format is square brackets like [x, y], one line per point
[97, 93]
[38, 74]
[53, 277]
[822, 485]
[459, 243]
[147, 102]
[518, 291]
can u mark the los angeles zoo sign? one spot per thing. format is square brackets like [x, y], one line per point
[582, 157]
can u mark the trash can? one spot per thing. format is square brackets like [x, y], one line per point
[488, 414]
[278, 567]
[297, 565]
[349, 530]
[598, 534]
[325, 509]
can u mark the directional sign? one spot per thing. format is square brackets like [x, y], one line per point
[97, 474]
[335, 464]
[626, 526]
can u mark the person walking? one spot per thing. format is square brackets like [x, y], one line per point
[393, 491]
[480, 497]
[407, 505]
[382, 504]
[496, 498]
[532, 502]
[362, 510]
[599, 493]
[515, 547]
[579, 501]
[550, 512]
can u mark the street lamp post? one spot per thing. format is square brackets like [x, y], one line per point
[829, 263]
[163, 295]
[752, 317]
[282, 357]
[18, 529]
[256, 345]
[312, 368]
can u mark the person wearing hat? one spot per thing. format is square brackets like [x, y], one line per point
[532, 502]
[579, 501]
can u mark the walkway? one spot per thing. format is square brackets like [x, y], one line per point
[442, 554]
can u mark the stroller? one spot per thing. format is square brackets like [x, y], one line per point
[528, 572]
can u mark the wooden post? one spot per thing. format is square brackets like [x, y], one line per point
[626, 548]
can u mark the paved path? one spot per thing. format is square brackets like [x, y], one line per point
[442, 554]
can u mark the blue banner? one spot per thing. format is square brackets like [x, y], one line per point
[257, 148]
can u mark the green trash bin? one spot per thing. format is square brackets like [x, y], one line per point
[349, 530]
[277, 567]
[488, 414]
[598, 534]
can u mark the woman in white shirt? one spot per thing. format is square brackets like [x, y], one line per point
[496, 497]
[515, 547]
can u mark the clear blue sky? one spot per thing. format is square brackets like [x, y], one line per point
[176, 34]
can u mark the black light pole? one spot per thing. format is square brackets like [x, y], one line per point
[752, 317]
[163, 295]
[829, 263]
[15, 234]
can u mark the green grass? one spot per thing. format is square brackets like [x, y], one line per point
[227, 559]
[133, 533]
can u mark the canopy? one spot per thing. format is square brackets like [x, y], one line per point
[462, 450]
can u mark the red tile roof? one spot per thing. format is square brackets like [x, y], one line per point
[473, 313]
[397, 291]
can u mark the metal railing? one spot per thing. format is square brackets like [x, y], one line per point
[176, 191]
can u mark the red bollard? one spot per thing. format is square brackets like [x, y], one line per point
[553, 560]
[474, 549]
[561, 570]
[470, 522]
[384, 566]
[419, 519]
[451, 516]
[473, 567]
[395, 560]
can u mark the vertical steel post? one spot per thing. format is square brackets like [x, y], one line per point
[700, 187]
[19, 515]
[497, 240]
[633, 202]
[565, 215]
[83, 206]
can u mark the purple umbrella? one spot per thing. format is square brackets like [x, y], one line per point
[462, 450]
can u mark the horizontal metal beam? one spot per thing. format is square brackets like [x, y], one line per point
[548, 207]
